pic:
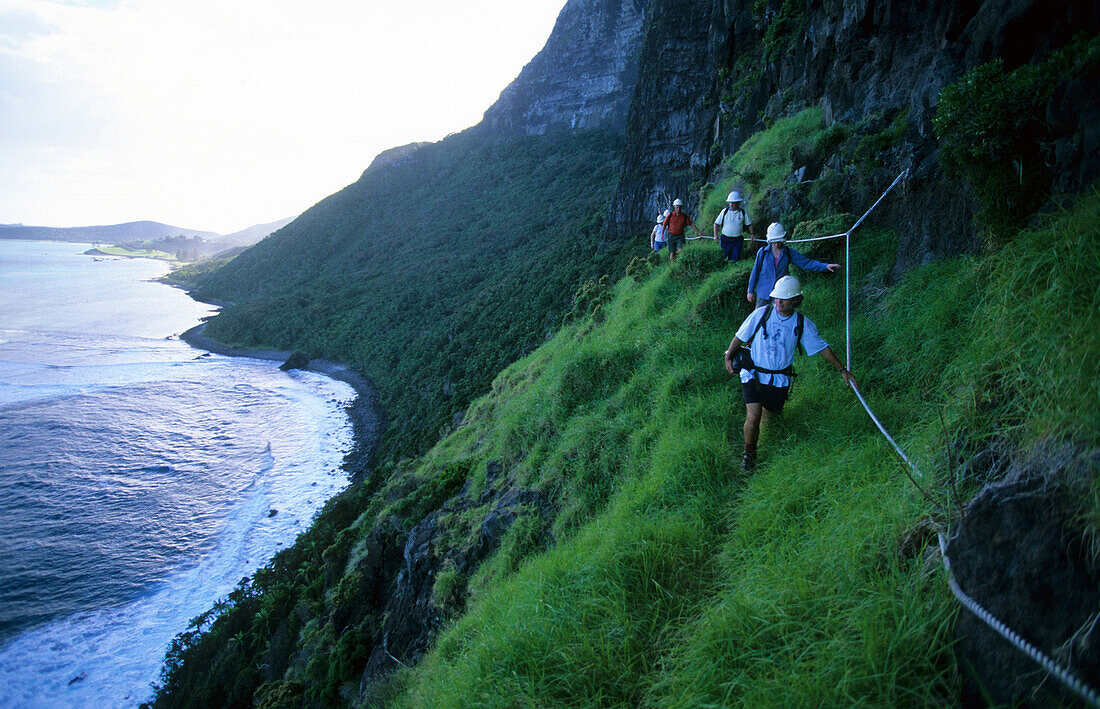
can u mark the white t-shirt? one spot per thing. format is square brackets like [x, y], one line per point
[658, 233]
[733, 221]
[776, 351]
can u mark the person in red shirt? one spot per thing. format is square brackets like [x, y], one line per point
[675, 224]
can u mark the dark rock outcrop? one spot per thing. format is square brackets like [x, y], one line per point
[297, 360]
[668, 129]
[394, 156]
[401, 574]
[1019, 553]
[582, 79]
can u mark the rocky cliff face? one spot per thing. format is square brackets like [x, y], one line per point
[667, 130]
[582, 79]
[716, 72]
[1012, 551]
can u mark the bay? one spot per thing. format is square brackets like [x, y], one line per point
[140, 479]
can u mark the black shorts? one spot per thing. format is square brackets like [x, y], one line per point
[771, 397]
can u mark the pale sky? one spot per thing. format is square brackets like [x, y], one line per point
[220, 114]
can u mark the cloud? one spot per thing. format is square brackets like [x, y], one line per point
[219, 114]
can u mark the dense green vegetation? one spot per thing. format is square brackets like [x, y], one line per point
[432, 274]
[669, 579]
[993, 131]
[646, 570]
[188, 273]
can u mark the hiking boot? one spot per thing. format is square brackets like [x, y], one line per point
[748, 461]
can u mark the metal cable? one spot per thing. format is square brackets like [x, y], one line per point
[1065, 676]
[1053, 668]
[892, 185]
[883, 430]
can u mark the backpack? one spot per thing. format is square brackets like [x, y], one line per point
[744, 361]
[722, 216]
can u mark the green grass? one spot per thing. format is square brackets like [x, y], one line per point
[677, 581]
[763, 162]
[136, 253]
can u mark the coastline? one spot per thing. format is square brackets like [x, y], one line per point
[367, 418]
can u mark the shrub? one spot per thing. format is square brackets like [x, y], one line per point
[827, 192]
[699, 261]
[639, 267]
[279, 695]
[993, 133]
[831, 139]
[870, 147]
[448, 585]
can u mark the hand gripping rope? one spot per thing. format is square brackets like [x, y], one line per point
[1067, 678]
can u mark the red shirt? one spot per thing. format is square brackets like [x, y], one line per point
[676, 223]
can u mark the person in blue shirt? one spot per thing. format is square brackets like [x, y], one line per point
[772, 263]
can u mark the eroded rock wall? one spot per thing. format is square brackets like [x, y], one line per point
[714, 73]
[582, 79]
[1018, 552]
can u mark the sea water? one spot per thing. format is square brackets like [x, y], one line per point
[140, 479]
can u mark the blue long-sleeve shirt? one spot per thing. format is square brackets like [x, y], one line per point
[765, 272]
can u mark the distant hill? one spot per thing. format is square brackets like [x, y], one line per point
[114, 233]
[186, 244]
[249, 236]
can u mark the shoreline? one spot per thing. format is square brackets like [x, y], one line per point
[367, 418]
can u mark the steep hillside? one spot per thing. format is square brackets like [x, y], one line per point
[586, 525]
[583, 538]
[431, 273]
[447, 261]
[644, 570]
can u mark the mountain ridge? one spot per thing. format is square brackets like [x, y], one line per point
[126, 231]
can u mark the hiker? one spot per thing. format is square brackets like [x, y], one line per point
[733, 220]
[772, 262]
[674, 227]
[771, 334]
[657, 236]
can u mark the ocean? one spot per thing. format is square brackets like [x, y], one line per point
[140, 479]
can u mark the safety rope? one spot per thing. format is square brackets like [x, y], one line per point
[800, 241]
[1062, 674]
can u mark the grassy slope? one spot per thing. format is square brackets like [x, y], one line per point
[678, 581]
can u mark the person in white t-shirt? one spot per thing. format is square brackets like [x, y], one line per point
[772, 334]
[657, 236]
[732, 220]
